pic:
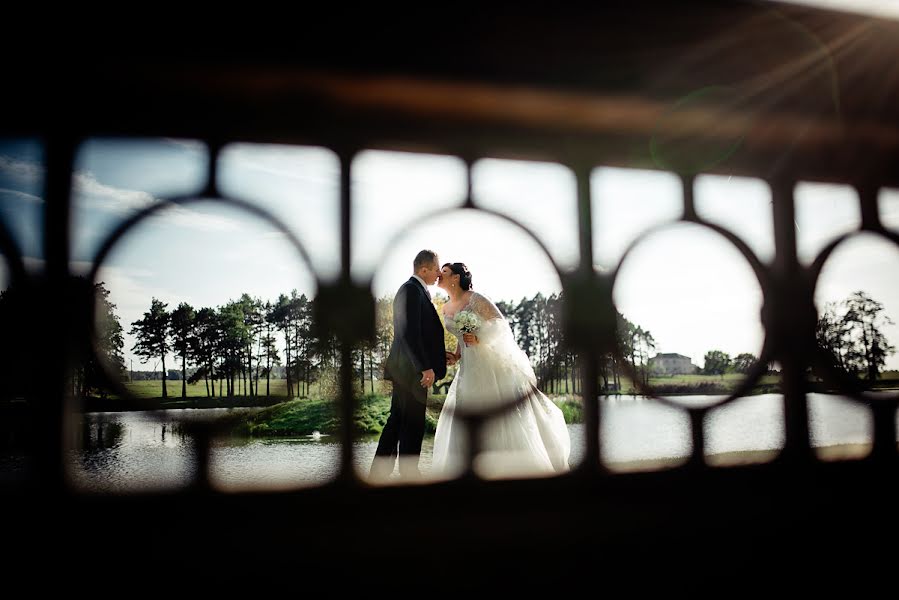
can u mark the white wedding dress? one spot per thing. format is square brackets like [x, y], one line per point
[530, 438]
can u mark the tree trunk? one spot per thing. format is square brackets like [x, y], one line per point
[184, 376]
[605, 375]
[362, 371]
[164, 391]
[248, 373]
[287, 366]
[616, 378]
[371, 371]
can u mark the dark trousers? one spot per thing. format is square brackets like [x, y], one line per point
[404, 430]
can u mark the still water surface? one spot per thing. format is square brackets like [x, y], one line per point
[138, 450]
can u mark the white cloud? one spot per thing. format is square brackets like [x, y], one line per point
[289, 162]
[191, 219]
[90, 192]
[108, 197]
[192, 145]
[22, 195]
[25, 171]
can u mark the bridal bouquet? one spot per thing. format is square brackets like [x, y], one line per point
[467, 321]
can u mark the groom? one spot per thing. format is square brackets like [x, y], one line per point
[417, 359]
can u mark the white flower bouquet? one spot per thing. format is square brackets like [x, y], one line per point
[468, 322]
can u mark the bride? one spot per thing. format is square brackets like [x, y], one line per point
[529, 438]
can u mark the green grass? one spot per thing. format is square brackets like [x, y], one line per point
[153, 389]
[292, 418]
[303, 416]
[674, 384]
[572, 407]
[729, 378]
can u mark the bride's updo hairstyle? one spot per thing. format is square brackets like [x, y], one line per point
[464, 274]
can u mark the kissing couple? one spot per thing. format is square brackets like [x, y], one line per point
[530, 438]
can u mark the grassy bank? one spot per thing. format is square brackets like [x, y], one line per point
[93, 404]
[304, 416]
[697, 385]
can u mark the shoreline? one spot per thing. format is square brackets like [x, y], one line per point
[97, 405]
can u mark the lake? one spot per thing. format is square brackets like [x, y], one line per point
[125, 451]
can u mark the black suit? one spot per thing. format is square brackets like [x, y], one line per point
[417, 346]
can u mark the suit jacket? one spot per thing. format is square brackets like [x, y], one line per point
[417, 337]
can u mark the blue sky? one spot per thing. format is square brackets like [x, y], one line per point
[693, 291]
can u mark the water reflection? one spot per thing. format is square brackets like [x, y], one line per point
[151, 450]
[128, 451]
[102, 433]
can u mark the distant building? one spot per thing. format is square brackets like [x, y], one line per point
[671, 364]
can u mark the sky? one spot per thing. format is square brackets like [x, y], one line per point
[691, 289]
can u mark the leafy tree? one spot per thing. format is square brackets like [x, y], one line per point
[743, 362]
[865, 322]
[208, 336]
[280, 316]
[384, 329]
[268, 348]
[234, 336]
[307, 346]
[183, 323]
[716, 362]
[851, 333]
[109, 345]
[152, 334]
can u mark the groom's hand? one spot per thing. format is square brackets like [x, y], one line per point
[427, 378]
[450, 358]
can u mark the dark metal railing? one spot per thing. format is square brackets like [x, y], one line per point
[767, 517]
[347, 311]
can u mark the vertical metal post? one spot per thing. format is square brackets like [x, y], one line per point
[789, 295]
[53, 393]
[346, 384]
[590, 357]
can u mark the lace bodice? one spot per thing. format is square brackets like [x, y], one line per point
[530, 437]
[478, 304]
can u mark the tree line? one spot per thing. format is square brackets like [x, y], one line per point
[234, 349]
[849, 332]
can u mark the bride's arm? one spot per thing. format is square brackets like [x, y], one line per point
[495, 335]
[484, 307]
[492, 321]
